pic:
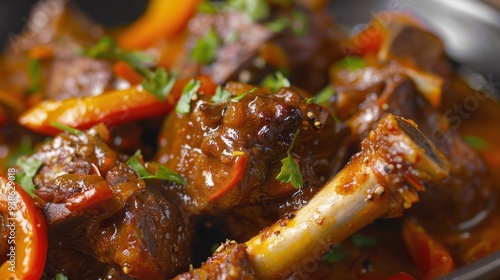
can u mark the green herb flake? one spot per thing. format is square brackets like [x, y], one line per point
[256, 10]
[184, 103]
[275, 82]
[159, 83]
[221, 95]
[29, 167]
[104, 48]
[239, 97]
[363, 241]
[163, 173]
[232, 37]
[352, 63]
[476, 142]
[60, 276]
[335, 255]
[66, 128]
[205, 50]
[25, 147]
[323, 97]
[290, 171]
[278, 25]
[300, 23]
[35, 75]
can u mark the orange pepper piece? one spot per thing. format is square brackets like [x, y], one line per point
[162, 19]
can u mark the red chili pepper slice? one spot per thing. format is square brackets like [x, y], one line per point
[113, 108]
[27, 226]
[430, 255]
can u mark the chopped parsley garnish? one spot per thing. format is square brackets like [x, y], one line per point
[256, 10]
[476, 142]
[290, 171]
[66, 128]
[278, 25]
[60, 276]
[335, 255]
[205, 50]
[25, 148]
[275, 82]
[221, 95]
[364, 241]
[211, 7]
[239, 97]
[162, 173]
[323, 97]
[159, 82]
[351, 63]
[29, 167]
[35, 75]
[300, 23]
[184, 104]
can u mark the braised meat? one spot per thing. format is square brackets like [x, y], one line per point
[231, 152]
[249, 50]
[386, 90]
[88, 192]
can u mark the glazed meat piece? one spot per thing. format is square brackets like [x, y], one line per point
[54, 40]
[148, 239]
[249, 50]
[231, 152]
[230, 262]
[89, 193]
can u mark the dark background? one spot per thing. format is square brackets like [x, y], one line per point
[14, 13]
[470, 29]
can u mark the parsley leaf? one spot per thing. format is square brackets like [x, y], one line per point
[323, 97]
[335, 255]
[35, 75]
[25, 147]
[29, 167]
[363, 241]
[159, 83]
[205, 50]
[60, 276]
[352, 63]
[275, 82]
[278, 25]
[184, 104]
[290, 171]
[300, 23]
[239, 97]
[221, 95]
[162, 173]
[475, 142]
[256, 10]
[66, 128]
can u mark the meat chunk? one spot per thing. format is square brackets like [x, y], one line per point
[231, 152]
[248, 51]
[230, 261]
[121, 223]
[148, 239]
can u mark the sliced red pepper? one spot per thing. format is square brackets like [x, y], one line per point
[29, 231]
[239, 167]
[97, 193]
[124, 71]
[3, 116]
[112, 108]
[430, 255]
